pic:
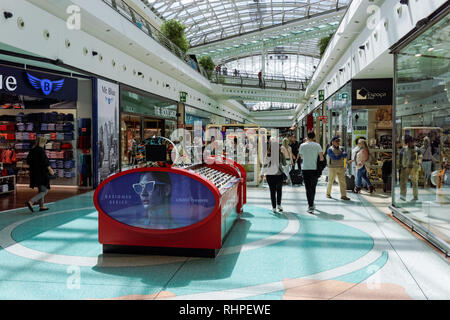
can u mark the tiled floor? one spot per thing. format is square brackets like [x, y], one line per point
[347, 250]
[24, 193]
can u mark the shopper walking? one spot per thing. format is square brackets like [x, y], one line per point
[40, 172]
[409, 164]
[295, 146]
[273, 172]
[309, 152]
[427, 160]
[336, 168]
[361, 171]
[289, 157]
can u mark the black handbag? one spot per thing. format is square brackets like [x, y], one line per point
[321, 165]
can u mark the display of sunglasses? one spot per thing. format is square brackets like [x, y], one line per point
[148, 186]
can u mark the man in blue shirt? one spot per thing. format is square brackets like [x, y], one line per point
[336, 167]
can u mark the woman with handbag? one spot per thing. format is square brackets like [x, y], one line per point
[274, 177]
[286, 150]
[40, 173]
[361, 171]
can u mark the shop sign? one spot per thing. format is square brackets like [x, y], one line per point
[323, 118]
[107, 129]
[37, 84]
[343, 96]
[372, 92]
[321, 95]
[165, 113]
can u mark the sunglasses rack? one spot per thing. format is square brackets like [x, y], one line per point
[221, 180]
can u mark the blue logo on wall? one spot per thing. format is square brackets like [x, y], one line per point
[109, 100]
[47, 86]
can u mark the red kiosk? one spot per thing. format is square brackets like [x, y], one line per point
[171, 210]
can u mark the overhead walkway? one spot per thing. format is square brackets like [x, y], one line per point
[247, 86]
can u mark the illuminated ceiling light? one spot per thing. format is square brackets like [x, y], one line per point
[418, 55]
[430, 49]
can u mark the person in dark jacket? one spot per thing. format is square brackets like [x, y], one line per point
[40, 171]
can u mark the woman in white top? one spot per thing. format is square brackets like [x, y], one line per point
[286, 150]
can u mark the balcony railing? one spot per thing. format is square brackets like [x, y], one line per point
[135, 18]
[245, 79]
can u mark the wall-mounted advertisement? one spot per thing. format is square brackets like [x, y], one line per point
[360, 123]
[108, 129]
[156, 200]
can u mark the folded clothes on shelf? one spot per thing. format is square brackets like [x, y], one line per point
[20, 126]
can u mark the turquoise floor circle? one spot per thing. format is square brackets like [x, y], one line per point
[319, 245]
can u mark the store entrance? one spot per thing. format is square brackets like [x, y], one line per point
[135, 132]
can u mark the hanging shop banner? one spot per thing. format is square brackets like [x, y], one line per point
[156, 200]
[108, 129]
[367, 92]
[360, 123]
[37, 84]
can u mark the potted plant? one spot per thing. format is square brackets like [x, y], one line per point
[174, 31]
[208, 64]
[323, 43]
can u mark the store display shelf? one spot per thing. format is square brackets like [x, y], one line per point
[13, 177]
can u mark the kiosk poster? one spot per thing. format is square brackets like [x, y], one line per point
[156, 200]
[108, 129]
[360, 124]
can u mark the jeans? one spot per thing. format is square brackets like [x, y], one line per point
[426, 167]
[310, 178]
[275, 183]
[361, 174]
[42, 191]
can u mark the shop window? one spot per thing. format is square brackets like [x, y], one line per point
[422, 132]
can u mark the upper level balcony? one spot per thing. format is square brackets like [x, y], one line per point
[134, 17]
[253, 80]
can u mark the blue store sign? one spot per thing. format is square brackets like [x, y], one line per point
[37, 84]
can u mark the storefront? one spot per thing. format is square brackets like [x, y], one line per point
[46, 103]
[421, 193]
[362, 108]
[193, 115]
[142, 117]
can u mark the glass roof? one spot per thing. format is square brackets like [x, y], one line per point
[211, 20]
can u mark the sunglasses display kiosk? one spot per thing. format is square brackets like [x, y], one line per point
[170, 211]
